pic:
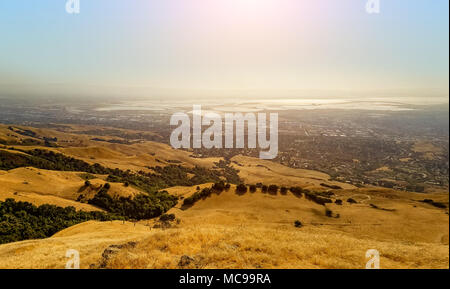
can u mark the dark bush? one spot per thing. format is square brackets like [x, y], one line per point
[435, 204]
[252, 188]
[297, 191]
[298, 224]
[351, 201]
[317, 198]
[241, 189]
[273, 189]
[334, 187]
[219, 187]
[167, 217]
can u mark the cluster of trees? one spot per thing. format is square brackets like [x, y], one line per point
[47, 160]
[142, 206]
[297, 191]
[176, 175]
[436, 204]
[317, 198]
[334, 187]
[320, 198]
[271, 189]
[165, 177]
[22, 221]
[230, 173]
[205, 193]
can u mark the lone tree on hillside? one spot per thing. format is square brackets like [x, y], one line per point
[273, 189]
[241, 189]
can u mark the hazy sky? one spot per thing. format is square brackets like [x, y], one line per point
[295, 47]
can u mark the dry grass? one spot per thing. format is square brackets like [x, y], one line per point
[272, 247]
[89, 238]
[256, 231]
[219, 246]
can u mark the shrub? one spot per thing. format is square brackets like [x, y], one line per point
[351, 201]
[297, 191]
[241, 189]
[436, 204]
[273, 189]
[219, 187]
[283, 190]
[338, 202]
[264, 188]
[317, 198]
[298, 224]
[167, 217]
[252, 188]
[334, 187]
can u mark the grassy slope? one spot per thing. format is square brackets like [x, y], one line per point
[256, 231]
[39, 187]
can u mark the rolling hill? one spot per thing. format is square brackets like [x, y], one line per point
[226, 229]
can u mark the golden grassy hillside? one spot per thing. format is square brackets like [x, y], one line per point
[226, 230]
[253, 170]
[59, 188]
[136, 156]
[256, 231]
